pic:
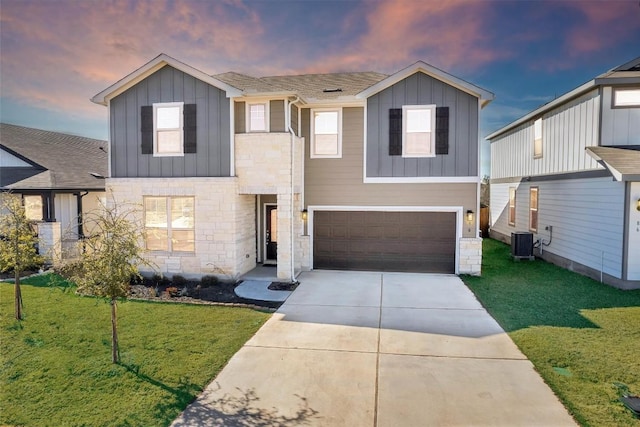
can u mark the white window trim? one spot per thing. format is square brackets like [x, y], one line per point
[538, 139]
[155, 129]
[312, 145]
[405, 110]
[267, 116]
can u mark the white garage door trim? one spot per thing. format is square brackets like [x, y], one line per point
[456, 209]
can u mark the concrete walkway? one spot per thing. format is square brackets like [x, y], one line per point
[374, 350]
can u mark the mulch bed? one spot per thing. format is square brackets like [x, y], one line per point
[221, 293]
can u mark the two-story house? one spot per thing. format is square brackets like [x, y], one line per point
[569, 172]
[361, 171]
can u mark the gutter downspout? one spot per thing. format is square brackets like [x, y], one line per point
[292, 138]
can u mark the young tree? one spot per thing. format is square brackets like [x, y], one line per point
[17, 243]
[109, 259]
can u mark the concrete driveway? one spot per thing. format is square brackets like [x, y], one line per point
[378, 349]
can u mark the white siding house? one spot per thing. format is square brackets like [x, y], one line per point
[569, 172]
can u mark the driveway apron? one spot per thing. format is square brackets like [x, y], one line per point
[377, 350]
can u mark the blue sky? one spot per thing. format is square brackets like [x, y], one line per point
[55, 55]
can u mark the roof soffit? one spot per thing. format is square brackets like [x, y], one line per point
[153, 66]
[420, 66]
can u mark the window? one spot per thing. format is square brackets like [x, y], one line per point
[169, 224]
[626, 98]
[326, 139]
[167, 131]
[418, 133]
[537, 139]
[33, 207]
[258, 117]
[533, 209]
[512, 206]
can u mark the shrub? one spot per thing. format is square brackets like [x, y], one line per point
[178, 281]
[208, 281]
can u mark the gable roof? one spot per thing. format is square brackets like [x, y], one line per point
[627, 73]
[58, 161]
[311, 88]
[484, 95]
[151, 67]
[623, 163]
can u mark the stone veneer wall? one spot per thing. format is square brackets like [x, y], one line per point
[224, 223]
[470, 256]
[50, 241]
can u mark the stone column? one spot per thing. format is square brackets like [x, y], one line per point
[50, 241]
[470, 256]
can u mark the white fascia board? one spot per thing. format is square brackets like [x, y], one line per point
[151, 67]
[543, 109]
[422, 180]
[420, 66]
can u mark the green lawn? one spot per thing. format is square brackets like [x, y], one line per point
[582, 336]
[56, 368]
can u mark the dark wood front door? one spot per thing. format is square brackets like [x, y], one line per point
[271, 230]
[385, 241]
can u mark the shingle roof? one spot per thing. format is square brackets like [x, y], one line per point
[623, 163]
[309, 86]
[63, 161]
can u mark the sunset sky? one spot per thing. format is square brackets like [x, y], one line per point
[55, 55]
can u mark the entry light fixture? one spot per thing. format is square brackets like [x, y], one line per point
[304, 214]
[638, 205]
[469, 215]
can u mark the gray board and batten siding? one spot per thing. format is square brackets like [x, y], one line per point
[620, 125]
[212, 156]
[421, 89]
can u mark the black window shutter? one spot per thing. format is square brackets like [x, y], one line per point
[189, 124]
[395, 131]
[146, 129]
[442, 130]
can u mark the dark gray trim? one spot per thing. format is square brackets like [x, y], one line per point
[625, 231]
[21, 157]
[554, 177]
[613, 97]
[576, 267]
[617, 81]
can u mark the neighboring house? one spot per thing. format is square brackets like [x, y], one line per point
[569, 172]
[359, 171]
[52, 172]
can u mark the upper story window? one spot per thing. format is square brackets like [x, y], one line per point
[512, 206]
[626, 98]
[533, 209]
[258, 117]
[168, 129]
[326, 133]
[537, 139]
[418, 130]
[169, 224]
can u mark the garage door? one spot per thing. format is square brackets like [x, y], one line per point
[385, 241]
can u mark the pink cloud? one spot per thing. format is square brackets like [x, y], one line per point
[56, 55]
[446, 34]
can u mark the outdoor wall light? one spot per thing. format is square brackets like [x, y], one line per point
[638, 205]
[304, 214]
[470, 215]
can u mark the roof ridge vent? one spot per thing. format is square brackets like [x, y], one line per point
[332, 90]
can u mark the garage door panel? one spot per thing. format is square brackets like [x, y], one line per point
[387, 241]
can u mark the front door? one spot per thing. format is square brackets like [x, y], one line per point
[271, 234]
